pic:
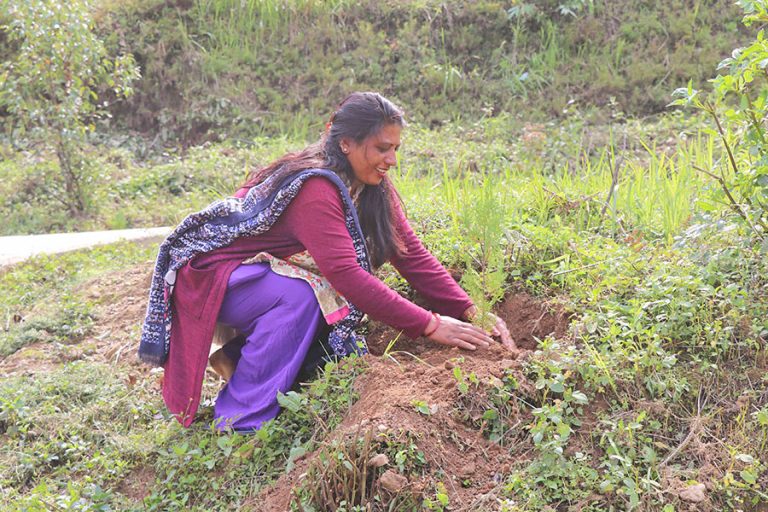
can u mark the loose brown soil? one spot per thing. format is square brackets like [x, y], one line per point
[419, 370]
[138, 484]
[470, 466]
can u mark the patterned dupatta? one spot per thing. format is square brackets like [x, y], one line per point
[221, 223]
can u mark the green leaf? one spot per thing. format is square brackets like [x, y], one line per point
[556, 387]
[749, 476]
[422, 407]
[579, 397]
[291, 401]
[225, 444]
[296, 453]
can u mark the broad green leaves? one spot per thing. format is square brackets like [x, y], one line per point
[738, 105]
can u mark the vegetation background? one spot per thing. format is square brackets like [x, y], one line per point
[543, 165]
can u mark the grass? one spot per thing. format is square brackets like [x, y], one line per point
[658, 384]
[229, 19]
[266, 67]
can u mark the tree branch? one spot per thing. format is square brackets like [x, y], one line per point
[735, 206]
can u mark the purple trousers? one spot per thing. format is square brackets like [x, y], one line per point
[279, 319]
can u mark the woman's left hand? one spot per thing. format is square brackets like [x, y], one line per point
[500, 329]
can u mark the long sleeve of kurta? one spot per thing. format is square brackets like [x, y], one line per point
[427, 275]
[316, 218]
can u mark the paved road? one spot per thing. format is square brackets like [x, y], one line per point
[14, 249]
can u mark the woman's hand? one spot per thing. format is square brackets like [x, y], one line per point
[455, 333]
[499, 327]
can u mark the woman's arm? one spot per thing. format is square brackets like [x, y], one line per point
[430, 279]
[316, 217]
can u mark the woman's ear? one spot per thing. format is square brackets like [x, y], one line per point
[345, 144]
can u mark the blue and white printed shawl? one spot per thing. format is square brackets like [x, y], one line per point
[218, 225]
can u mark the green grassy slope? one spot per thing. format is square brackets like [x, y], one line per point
[231, 69]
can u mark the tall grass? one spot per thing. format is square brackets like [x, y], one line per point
[248, 24]
[534, 72]
[649, 193]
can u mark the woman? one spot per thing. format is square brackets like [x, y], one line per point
[287, 263]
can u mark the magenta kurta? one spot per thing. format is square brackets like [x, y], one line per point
[314, 221]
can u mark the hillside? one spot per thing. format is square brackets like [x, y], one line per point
[623, 242]
[225, 69]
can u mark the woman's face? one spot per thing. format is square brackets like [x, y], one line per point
[372, 158]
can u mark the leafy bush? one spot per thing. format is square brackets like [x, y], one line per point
[51, 87]
[737, 104]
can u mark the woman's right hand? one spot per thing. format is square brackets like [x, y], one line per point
[455, 333]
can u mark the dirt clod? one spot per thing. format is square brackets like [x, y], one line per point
[468, 470]
[378, 460]
[392, 481]
[694, 493]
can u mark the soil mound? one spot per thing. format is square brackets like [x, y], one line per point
[120, 302]
[412, 392]
[409, 391]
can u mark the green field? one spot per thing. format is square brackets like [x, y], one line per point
[623, 242]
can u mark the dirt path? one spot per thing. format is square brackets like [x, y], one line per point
[14, 249]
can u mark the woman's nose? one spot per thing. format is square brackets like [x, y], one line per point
[391, 158]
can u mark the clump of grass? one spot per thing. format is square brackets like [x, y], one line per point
[40, 299]
[345, 473]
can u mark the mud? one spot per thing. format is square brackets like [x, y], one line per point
[471, 466]
[456, 451]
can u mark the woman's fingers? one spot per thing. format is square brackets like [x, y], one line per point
[463, 344]
[456, 333]
[500, 329]
[474, 335]
[506, 338]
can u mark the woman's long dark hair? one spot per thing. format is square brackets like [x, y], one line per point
[359, 116]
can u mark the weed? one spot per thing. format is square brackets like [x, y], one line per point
[492, 407]
[344, 476]
[441, 500]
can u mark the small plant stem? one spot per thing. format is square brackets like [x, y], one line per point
[734, 205]
[755, 123]
[614, 182]
[695, 426]
[413, 356]
[295, 498]
[391, 344]
[390, 356]
[711, 110]
[601, 364]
